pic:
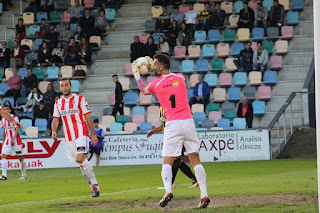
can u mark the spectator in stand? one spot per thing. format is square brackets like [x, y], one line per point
[276, 15]
[44, 55]
[118, 106]
[49, 97]
[201, 92]
[162, 3]
[17, 55]
[96, 149]
[8, 103]
[260, 59]
[14, 83]
[163, 46]
[203, 18]
[41, 111]
[20, 30]
[184, 35]
[72, 53]
[245, 110]
[217, 19]
[244, 63]
[76, 12]
[191, 19]
[29, 81]
[57, 54]
[100, 24]
[46, 6]
[150, 48]
[52, 37]
[246, 18]
[261, 17]
[173, 33]
[44, 28]
[177, 16]
[136, 49]
[163, 21]
[34, 99]
[79, 34]
[65, 36]
[85, 52]
[5, 55]
[33, 6]
[87, 23]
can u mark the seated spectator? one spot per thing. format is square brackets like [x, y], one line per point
[8, 103]
[79, 34]
[5, 55]
[203, 18]
[44, 28]
[201, 92]
[33, 6]
[17, 55]
[136, 49]
[261, 17]
[184, 36]
[85, 52]
[260, 59]
[14, 83]
[163, 21]
[49, 97]
[57, 54]
[34, 99]
[115, 4]
[72, 53]
[46, 6]
[276, 15]
[87, 23]
[244, 63]
[217, 19]
[41, 111]
[150, 48]
[20, 30]
[52, 37]
[177, 16]
[173, 33]
[246, 18]
[163, 46]
[245, 110]
[29, 81]
[191, 19]
[100, 25]
[76, 12]
[65, 36]
[44, 55]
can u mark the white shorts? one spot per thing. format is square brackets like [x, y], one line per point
[72, 147]
[180, 133]
[12, 150]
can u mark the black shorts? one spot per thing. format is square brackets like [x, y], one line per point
[95, 150]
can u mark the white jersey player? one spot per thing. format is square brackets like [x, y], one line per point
[11, 143]
[75, 114]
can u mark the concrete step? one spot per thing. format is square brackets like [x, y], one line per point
[10, 32]
[10, 18]
[127, 24]
[275, 103]
[301, 42]
[114, 52]
[121, 37]
[298, 58]
[285, 88]
[130, 2]
[98, 82]
[135, 10]
[305, 14]
[262, 122]
[293, 72]
[109, 66]
[304, 27]
[97, 96]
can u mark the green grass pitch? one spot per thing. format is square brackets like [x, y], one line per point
[260, 186]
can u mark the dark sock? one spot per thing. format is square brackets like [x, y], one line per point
[175, 168]
[187, 171]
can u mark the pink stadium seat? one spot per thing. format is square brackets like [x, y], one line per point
[95, 40]
[130, 127]
[143, 37]
[138, 119]
[193, 80]
[145, 99]
[253, 4]
[254, 46]
[194, 51]
[225, 79]
[264, 92]
[183, 8]
[223, 49]
[107, 120]
[215, 116]
[276, 62]
[153, 115]
[179, 52]
[151, 78]
[287, 32]
[227, 6]
[112, 99]
[66, 16]
[128, 69]
[88, 3]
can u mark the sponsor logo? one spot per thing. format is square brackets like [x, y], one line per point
[69, 112]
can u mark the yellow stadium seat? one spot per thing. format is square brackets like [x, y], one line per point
[125, 82]
[28, 18]
[285, 3]
[255, 78]
[194, 51]
[43, 86]
[156, 11]
[193, 80]
[197, 108]
[227, 6]
[233, 20]
[223, 50]
[243, 34]
[230, 66]
[32, 132]
[219, 94]
[281, 46]
[66, 71]
[198, 7]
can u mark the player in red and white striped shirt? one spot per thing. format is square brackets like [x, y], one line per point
[75, 114]
[11, 144]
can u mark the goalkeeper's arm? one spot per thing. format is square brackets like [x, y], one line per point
[143, 88]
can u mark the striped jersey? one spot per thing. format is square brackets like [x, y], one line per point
[162, 117]
[72, 111]
[9, 129]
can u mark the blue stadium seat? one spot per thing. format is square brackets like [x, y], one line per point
[208, 51]
[107, 111]
[145, 127]
[239, 123]
[41, 15]
[234, 94]
[268, 4]
[190, 93]
[73, 27]
[23, 72]
[131, 98]
[187, 66]
[115, 127]
[270, 77]
[211, 79]
[33, 29]
[138, 110]
[249, 92]
[28, 115]
[1, 129]
[75, 86]
[26, 123]
[38, 42]
[11, 100]
[201, 129]
[214, 36]
[41, 123]
[199, 117]
[22, 101]
[110, 14]
[200, 37]
[3, 88]
[53, 73]
[297, 5]
[240, 78]
[202, 65]
[259, 107]
[207, 124]
[150, 25]
[33, 56]
[156, 37]
[292, 18]
[257, 34]
[1, 10]
[236, 48]
[175, 66]
[238, 5]
[223, 123]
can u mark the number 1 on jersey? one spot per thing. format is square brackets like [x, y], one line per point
[173, 101]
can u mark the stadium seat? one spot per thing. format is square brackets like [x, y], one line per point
[208, 51]
[236, 48]
[292, 18]
[194, 51]
[156, 37]
[1, 10]
[83, 68]
[123, 119]
[268, 4]
[72, 2]
[130, 98]
[130, 127]
[255, 78]
[273, 33]
[198, 7]
[10, 44]
[276, 62]
[41, 123]
[207, 124]
[145, 127]
[253, 4]
[270, 77]
[234, 94]
[230, 66]
[8, 73]
[27, 42]
[264, 93]
[115, 127]
[10, 99]
[55, 16]
[215, 116]
[28, 18]
[107, 111]
[53, 73]
[233, 21]
[224, 123]
[257, 34]
[243, 34]
[153, 115]
[60, 28]
[170, 9]
[128, 69]
[125, 82]
[229, 35]
[41, 15]
[32, 132]
[145, 100]
[156, 11]
[286, 32]
[73, 27]
[107, 120]
[197, 108]
[133, 84]
[214, 36]
[88, 3]
[213, 107]
[179, 52]
[216, 64]
[183, 8]
[200, 37]
[227, 6]
[32, 30]
[23, 72]
[150, 25]
[199, 117]
[187, 66]
[143, 37]
[26, 123]
[230, 115]
[66, 16]
[239, 123]
[175, 66]
[110, 14]
[75, 86]
[138, 119]
[43, 86]
[138, 110]
[297, 5]
[285, 4]
[259, 107]
[225, 79]
[193, 80]
[21, 101]
[202, 65]
[227, 106]
[268, 45]
[39, 72]
[223, 50]
[211, 79]
[38, 42]
[240, 78]
[281, 46]
[238, 5]
[66, 71]
[95, 40]
[249, 92]
[190, 93]
[219, 94]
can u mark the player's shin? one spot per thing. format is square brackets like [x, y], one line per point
[23, 168]
[4, 167]
[166, 174]
[88, 172]
[86, 176]
[202, 179]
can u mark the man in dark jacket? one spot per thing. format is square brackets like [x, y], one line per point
[52, 37]
[217, 19]
[245, 110]
[244, 63]
[29, 81]
[246, 18]
[201, 92]
[118, 106]
[87, 23]
[41, 111]
[276, 14]
[136, 49]
[5, 55]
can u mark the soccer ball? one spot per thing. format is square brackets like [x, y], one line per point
[143, 65]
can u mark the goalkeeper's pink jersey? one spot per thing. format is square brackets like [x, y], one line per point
[172, 94]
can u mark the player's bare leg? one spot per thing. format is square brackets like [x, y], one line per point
[23, 167]
[166, 174]
[4, 167]
[201, 177]
[97, 160]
